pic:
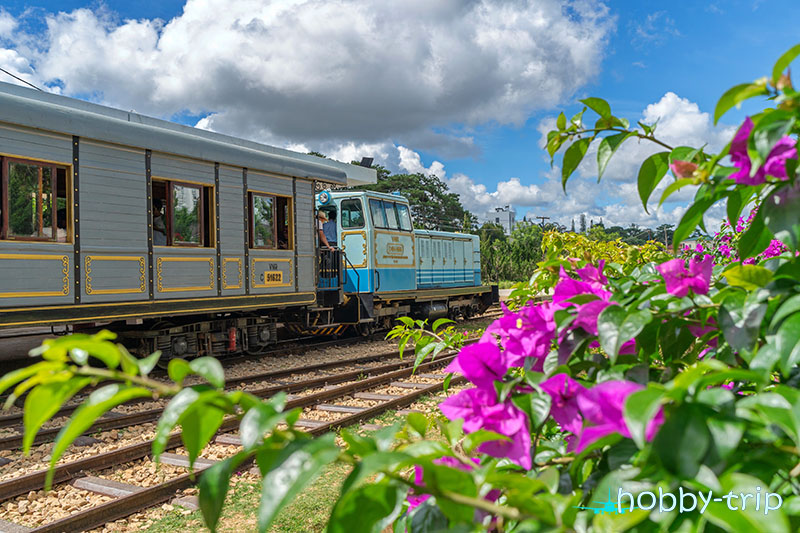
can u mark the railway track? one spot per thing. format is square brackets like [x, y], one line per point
[351, 402]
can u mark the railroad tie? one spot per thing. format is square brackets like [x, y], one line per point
[4, 462]
[372, 427]
[339, 408]
[187, 502]
[409, 385]
[11, 527]
[175, 459]
[376, 397]
[406, 412]
[311, 424]
[228, 440]
[107, 487]
[431, 376]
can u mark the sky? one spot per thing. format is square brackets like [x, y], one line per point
[464, 89]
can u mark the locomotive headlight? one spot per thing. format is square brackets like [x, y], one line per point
[264, 334]
[180, 346]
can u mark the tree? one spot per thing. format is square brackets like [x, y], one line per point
[433, 206]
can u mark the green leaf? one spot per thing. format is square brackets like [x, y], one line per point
[748, 277]
[178, 369]
[438, 323]
[428, 518]
[736, 201]
[428, 348]
[299, 465]
[98, 403]
[199, 424]
[418, 423]
[358, 445]
[652, 171]
[788, 307]
[736, 95]
[616, 326]
[740, 320]
[43, 401]
[21, 374]
[209, 369]
[683, 440]
[169, 418]
[572, 158]
[755, 239]
[536, 405]
[369, 508]
[257, 422]
[691, 219]
[771, 128]
[376, 462]
[608, 146]
[783, 62]
[780, 210]
[214, 483]
[476, 438]
[674, 187]
[128, 362]
[147, 364]
[640, 408]
[598, 105]
[787, 343]
[561, 121]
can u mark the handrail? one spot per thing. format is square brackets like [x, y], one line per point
[358, 281]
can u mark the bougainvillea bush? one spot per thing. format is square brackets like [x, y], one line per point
[658, 398]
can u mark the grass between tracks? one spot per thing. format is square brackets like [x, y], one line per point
[308, 513]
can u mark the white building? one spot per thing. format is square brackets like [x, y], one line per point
[503, 216]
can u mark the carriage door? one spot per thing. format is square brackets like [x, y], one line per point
[353, 241]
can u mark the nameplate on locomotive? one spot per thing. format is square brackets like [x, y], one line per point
[272, 277]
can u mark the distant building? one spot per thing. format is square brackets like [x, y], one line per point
[503, 216]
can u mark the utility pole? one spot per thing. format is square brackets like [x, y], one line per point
[542, 220]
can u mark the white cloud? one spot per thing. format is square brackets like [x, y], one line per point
[654, 30]
[312, 72]
[616, 199]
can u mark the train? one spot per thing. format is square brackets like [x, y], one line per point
[197, 243]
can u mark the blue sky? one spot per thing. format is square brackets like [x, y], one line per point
[430, 98]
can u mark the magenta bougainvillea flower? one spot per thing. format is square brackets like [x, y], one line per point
[682, 169]
[591, 414]
[568, 288]
[775, 165]
[564, 391]
[602, 408]
[679, 280]
[480, 409]
[527, 333]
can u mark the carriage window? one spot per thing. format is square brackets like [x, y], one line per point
[182, 214]
[270, 221]
[391, 215]
[378, 217]
[405, 219]
[33, 203]
[352, 214]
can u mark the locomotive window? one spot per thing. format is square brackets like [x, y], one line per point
[33, 202]
[270, 221]
[405, 219]
[182, 214]
[352, 214]
[391, 215]
[378, 217]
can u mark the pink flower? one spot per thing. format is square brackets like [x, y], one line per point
[480, 410]
[415, 500]
[749, 261]
[527, 333]
[775, 165]
[724, 250]
[679, 280]
[602, 407]
[568, 288]
[683, 169]
[564, 391]
[774, 249]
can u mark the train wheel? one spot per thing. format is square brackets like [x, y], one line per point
[366, 329]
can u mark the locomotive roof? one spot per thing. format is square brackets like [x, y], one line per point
[373, 194]
[52, 112]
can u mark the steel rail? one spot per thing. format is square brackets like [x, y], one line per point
[35, 480]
